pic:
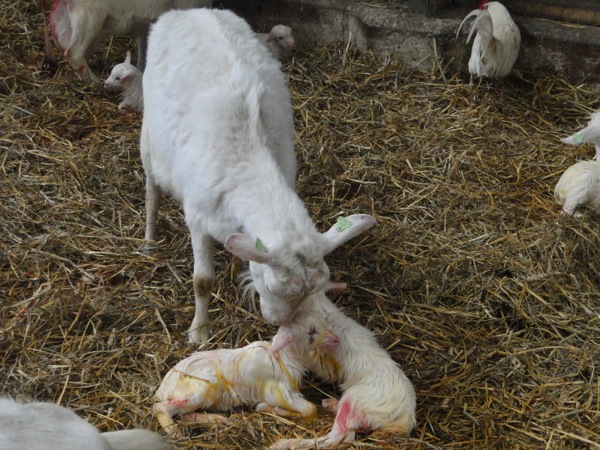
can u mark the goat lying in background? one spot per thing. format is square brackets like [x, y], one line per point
[43, 426]
[263, 375]
[377, 394]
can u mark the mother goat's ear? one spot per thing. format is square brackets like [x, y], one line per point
[345, 229]
[248, 248]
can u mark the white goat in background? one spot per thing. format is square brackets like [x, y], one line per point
[43, 426]
[217, 134]
[79, 25]
[261, 375]
[377, 395]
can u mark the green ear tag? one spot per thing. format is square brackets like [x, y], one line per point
[260, 246]
[343, 224]
[578, 137]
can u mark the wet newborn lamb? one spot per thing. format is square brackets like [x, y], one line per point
[262, 374]
[279, 41]
[377, 394]
[43, 426]
[127, 78]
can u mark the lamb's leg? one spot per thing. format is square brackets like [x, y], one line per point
[301, 407]
[203, 418]
[204, 279]
[330, 404]
[165, 419]
[341, 435]
[332, 440]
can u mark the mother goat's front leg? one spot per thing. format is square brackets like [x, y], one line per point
[204, 279]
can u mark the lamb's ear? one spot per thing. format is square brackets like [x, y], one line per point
[247, 248]
[282, 339]
[345, 229]
[128, 57]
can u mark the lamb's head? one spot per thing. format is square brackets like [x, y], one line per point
[282, 36]
[305, 337]
[121, 75]
[286, 274]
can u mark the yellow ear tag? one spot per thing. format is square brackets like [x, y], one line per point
[260, 246]
[343, 224]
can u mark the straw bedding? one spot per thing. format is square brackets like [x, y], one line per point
[472, 280]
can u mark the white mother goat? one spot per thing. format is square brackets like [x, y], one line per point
[217, 134]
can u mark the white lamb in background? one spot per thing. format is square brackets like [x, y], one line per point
[43, 426]
[579, 186]
[279, 41]
[261, 375]
[591, 133]
[217, 134]
[377, 395]
[127, 78]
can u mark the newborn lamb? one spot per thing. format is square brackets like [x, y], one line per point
[263, 375]
[127, 78]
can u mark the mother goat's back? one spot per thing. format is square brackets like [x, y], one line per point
[195, 52]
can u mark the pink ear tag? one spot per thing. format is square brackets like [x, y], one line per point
[343, 224]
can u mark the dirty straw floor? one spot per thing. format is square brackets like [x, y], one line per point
[472, 280]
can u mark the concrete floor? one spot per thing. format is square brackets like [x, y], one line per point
[389, 30]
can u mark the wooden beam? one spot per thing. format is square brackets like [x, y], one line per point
[586, 12]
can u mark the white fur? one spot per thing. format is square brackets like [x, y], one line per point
[217, 134]
[591, 133]
[377, 395]
[262, 375]
[279, 41]
[127, 78]
[43, 426]
[497, 41]
[579, 186]
[79, 25]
